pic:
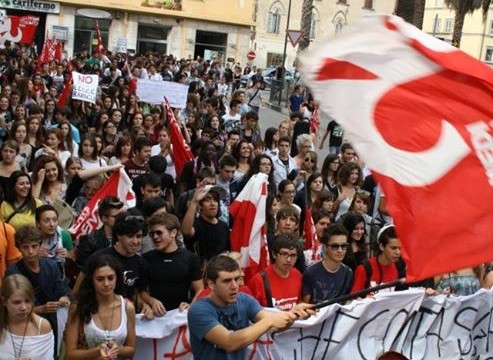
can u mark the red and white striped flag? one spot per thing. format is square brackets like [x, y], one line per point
[248, 235]
[99, 47]
[44, 56]
[311, 238]
[119, 185]
[181, 152]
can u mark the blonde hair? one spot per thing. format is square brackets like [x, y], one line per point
[10, 285]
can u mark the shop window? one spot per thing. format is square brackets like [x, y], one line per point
[152, 39]
[85, 33]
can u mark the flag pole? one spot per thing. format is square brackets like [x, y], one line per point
[358, 294]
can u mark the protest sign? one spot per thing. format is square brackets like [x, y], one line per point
[154, 92]
[85, 87]
[121, 45]
[419, 327]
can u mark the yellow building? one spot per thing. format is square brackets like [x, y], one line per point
[184, 28]
[477, 35]
[329, 17]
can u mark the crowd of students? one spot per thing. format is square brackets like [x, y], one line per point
[150, 259]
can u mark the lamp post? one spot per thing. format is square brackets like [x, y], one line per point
[283, 65]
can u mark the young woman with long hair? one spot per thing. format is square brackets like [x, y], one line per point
[18, 132]
[330, 169]
[19, 205]
[164, 148]
[53, 146]
[23, 334]
[68, 142]
[88, 153]
[243, 155]
[35, 132]
[350, 178]
[123, 150]
[48, 179]
[101, 324]
[271, 137]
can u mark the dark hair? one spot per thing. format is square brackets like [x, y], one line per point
[227, 160]
[66, 143]
[92, 140]
[220, 263]
[123, 140]
[329, 159]
[13, 130]
[151, 205]
[27, 234]
[158, 164]
[385, 234]
[285, 241]
[284, 139]
[345, 173]
[142, 142]
[237, 149]
[205, 172]
[40, 163]
[350, 222]
[269, 137]
[312, 178]
[41, 210]
[282, 185]
[324, 195]
[12, 144]
[86, 300]
[128, 222]
[151, 179]
[108, 203]
[317, 215]
[170, 221]
[333, 230]
[11, 195]
[286, 211]
[346, 146]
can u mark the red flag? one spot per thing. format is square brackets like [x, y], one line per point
[181, 152]
[99, 47]
[44, 55]
[58, 51]
[418, 111]
[311, 238]
[248, 235]
[119, 185]
[67, 90]
[18, 29]
[315, 120]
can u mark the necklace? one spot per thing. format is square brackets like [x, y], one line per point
[14, 345]
[107, 329]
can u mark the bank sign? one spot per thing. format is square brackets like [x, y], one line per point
[32, 5]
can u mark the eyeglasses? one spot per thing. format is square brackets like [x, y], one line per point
[338, 246]
[310, 160]
[286, 255]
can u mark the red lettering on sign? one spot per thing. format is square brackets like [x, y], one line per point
[182, 337]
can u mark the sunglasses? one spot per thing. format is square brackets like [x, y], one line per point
[338, 246]
[310, 160]
[157, 233]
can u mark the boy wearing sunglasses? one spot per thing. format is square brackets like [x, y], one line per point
[329, 278]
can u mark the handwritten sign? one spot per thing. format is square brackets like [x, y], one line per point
[419, 327]
[85, 87]
[154, 92]
[121, 45]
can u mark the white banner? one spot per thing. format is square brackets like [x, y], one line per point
[154, 92]
[85, 87]
[419, 327]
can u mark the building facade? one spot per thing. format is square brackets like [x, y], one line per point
[477, 35]
[184, 28]
[330, 17]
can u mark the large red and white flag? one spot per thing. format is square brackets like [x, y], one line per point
[181, 152]
[18, 29]
[119, 185]
[419, 112]
[248, 235]
[312, 248]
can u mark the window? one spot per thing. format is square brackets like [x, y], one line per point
[274, 21]
[491, 27]
[437, 25]
[368, 4]
[152, 38]
[489, 55]
[448, 25]
[313, 25]
[85, 33]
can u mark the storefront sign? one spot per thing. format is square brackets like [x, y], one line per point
[60, 32]
[32, 5]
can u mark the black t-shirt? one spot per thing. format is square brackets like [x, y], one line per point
[336, 133]
[209, 239]
[171, 274]
[134, 271]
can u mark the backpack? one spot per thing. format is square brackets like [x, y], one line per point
[401, 270]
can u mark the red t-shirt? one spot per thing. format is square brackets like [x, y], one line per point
[286, 292]
[380, 274]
